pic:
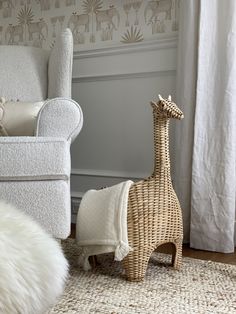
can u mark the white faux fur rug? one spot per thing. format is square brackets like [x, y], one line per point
[201, 287]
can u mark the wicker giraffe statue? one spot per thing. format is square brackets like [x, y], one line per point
[154, 213]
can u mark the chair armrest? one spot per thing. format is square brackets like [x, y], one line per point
[59, 117]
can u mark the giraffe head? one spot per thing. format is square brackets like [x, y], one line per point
[167, 108]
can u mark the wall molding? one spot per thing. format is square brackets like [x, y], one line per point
[168, 41]
[91, 72]
[108, 174]
[121, 76]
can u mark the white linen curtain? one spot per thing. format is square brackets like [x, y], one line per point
[205, 141]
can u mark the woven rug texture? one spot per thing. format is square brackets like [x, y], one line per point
[200, 287]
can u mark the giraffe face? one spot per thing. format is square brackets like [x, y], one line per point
[167, 108]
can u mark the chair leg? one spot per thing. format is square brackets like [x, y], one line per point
[136, 262]
[177, 255]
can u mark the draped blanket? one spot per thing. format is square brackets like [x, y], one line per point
[102, 223]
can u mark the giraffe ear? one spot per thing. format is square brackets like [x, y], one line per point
[160, 97]
[169, 97]
[153, 104]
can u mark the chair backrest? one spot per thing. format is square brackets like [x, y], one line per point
[34, 74]
[23, 73]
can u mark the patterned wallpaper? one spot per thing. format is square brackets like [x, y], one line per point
[94, 23]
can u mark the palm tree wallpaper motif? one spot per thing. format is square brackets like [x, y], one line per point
[24, 18]
[132, 36]
[94, 23]
[92, 7]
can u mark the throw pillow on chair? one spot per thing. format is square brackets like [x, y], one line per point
[18, 118]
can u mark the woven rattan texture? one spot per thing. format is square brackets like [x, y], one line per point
[154, 213]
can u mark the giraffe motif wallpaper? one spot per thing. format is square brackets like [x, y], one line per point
[94, 23]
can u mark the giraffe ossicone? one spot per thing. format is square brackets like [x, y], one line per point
[161, 98]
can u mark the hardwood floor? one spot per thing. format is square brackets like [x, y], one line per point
[204, 255]
[188, 252]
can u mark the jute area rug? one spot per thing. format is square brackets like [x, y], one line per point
[200, 287]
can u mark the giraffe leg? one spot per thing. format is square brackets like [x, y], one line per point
[135, 263]
[93, 261]
[177, 255]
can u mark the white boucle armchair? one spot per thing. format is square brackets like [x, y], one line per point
[35, 170]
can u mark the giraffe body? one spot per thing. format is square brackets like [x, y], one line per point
[154, 213]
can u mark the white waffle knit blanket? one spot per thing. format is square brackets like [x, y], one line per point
[102, 223]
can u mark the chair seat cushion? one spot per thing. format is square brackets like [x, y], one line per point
[34, 158]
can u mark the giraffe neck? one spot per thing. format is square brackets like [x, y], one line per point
[161, 144]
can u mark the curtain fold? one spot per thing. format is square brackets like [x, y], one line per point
[205, 171]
